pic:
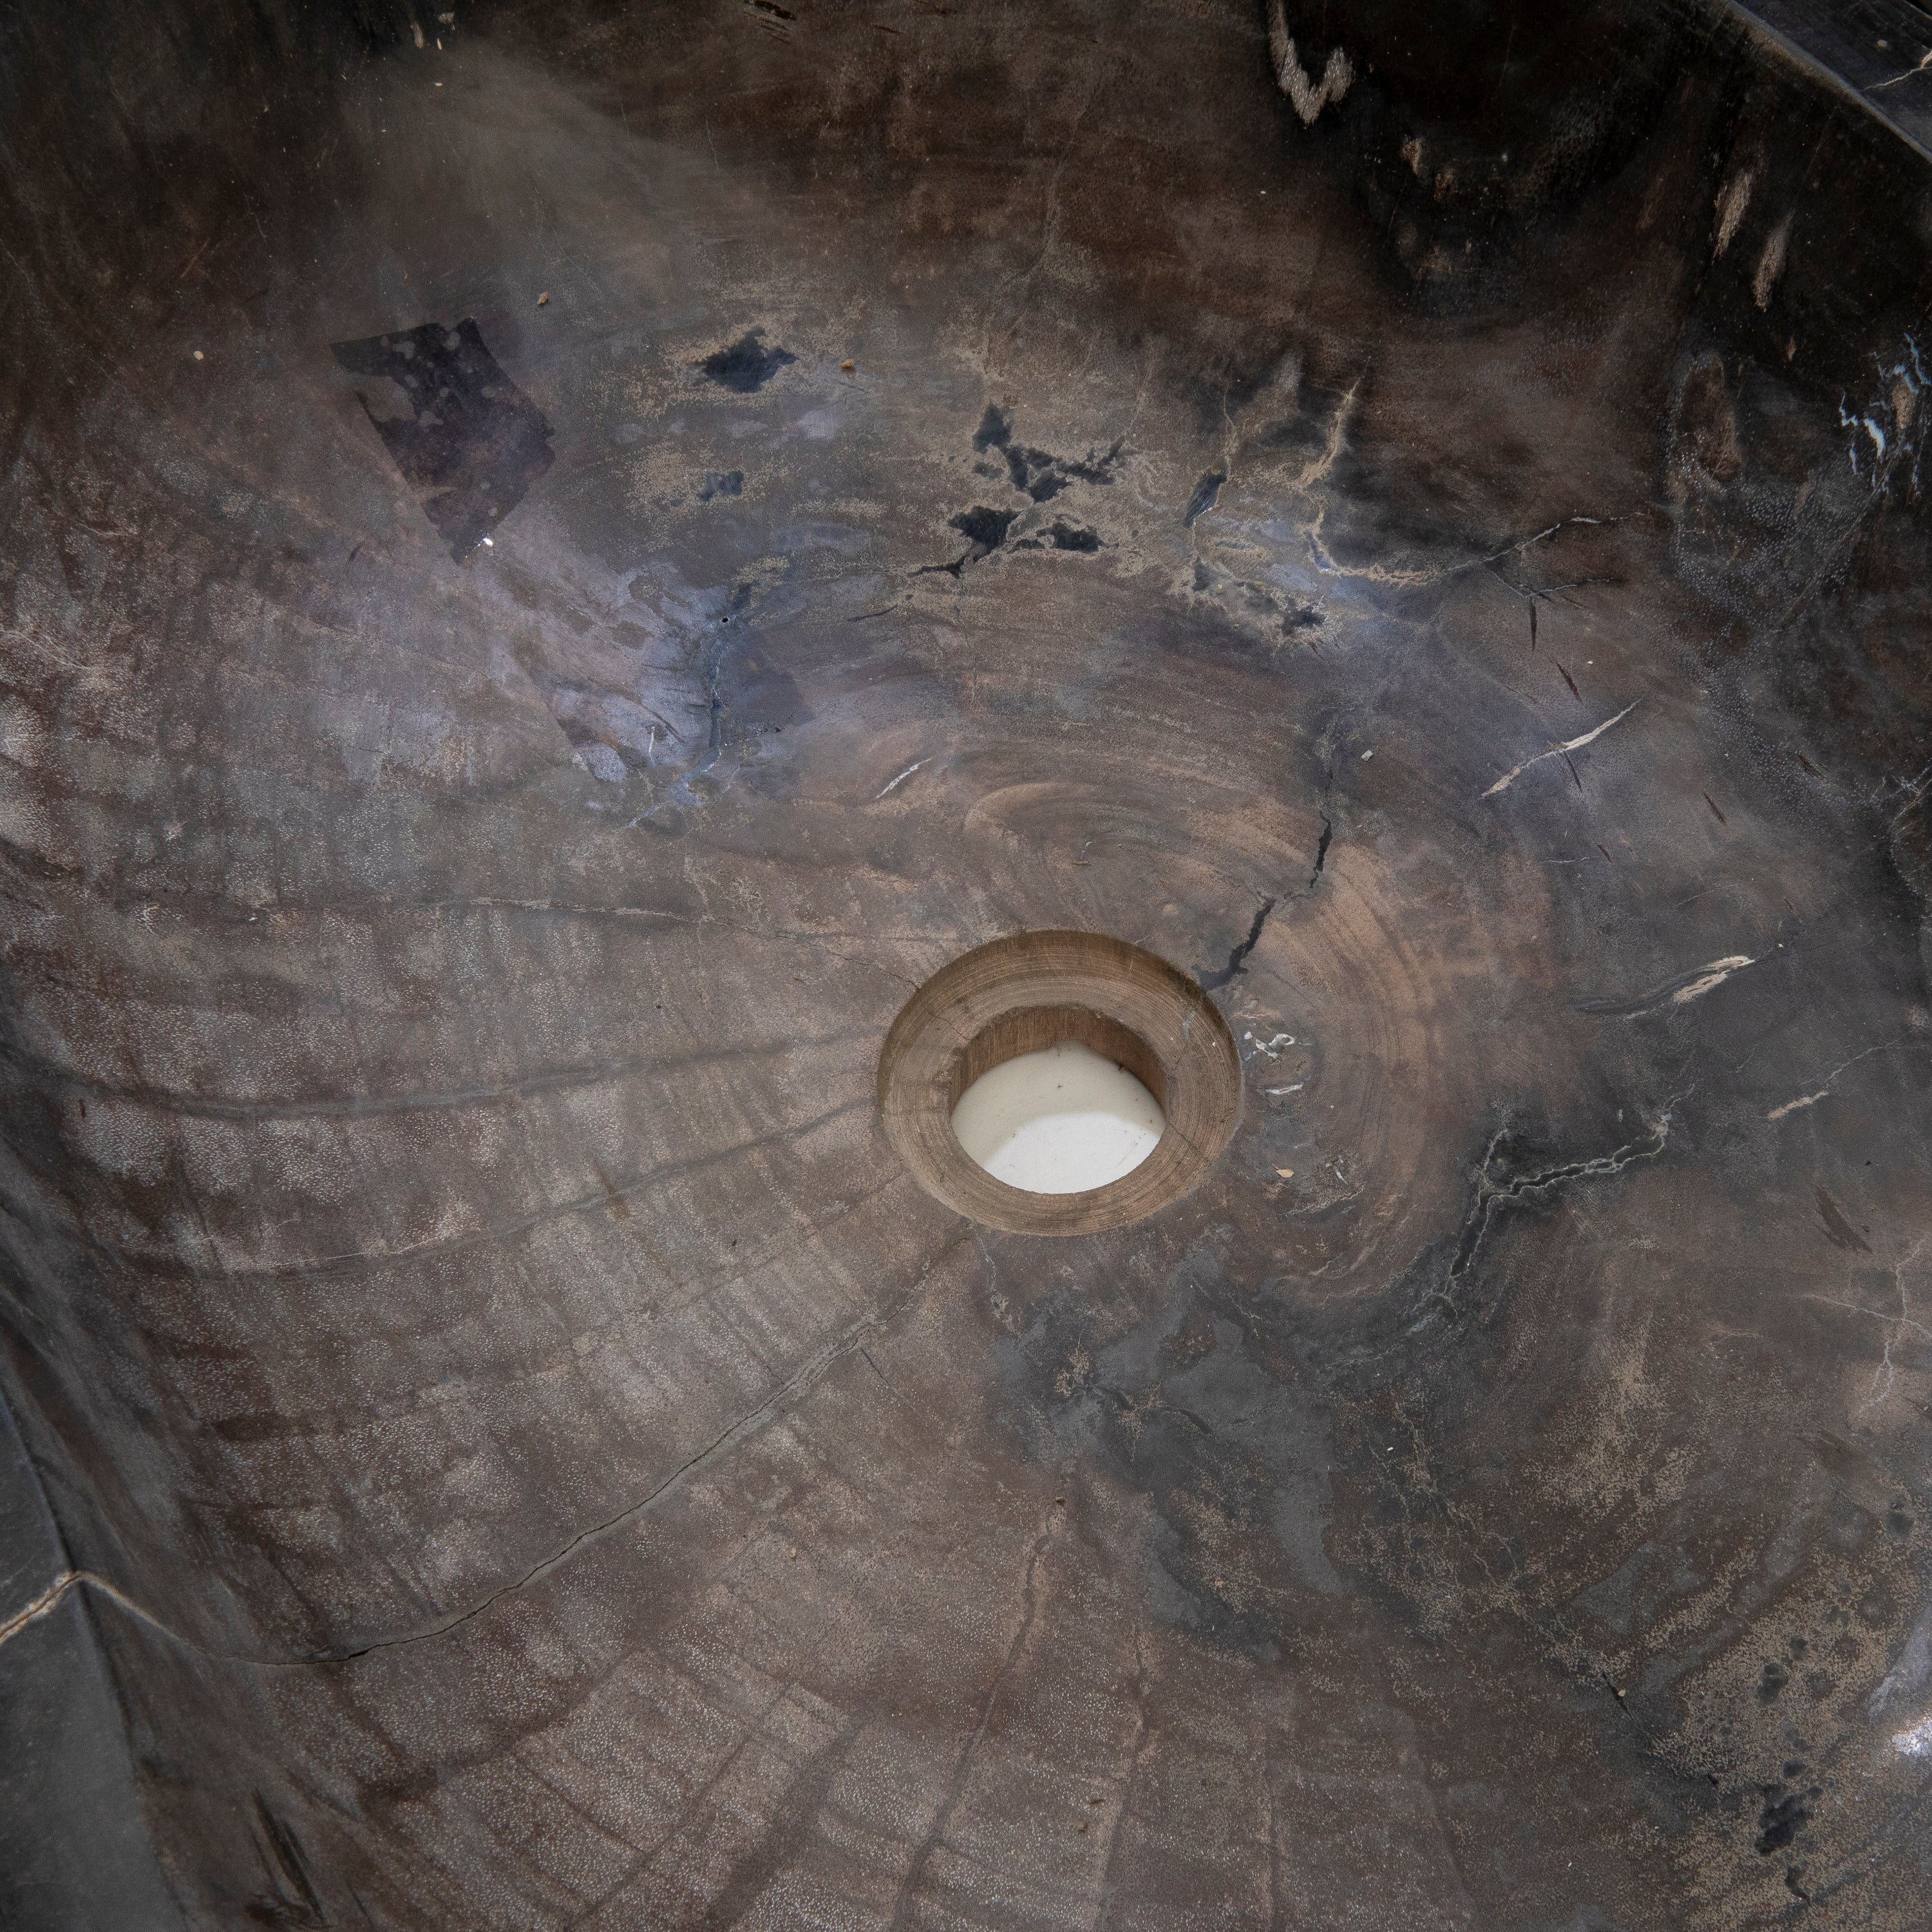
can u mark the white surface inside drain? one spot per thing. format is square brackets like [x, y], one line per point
[1059, 1121]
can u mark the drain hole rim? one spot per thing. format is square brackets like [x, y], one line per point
[1013, 991]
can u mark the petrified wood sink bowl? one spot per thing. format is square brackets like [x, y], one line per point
[562, 563]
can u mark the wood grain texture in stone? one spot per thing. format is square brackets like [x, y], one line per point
[1413, 518]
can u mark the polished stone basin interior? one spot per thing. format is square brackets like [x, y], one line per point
[560, 562]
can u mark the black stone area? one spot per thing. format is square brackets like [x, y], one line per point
[747, 365]
[473, 444]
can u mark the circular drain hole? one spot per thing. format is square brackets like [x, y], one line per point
[1064, 1118]
[1059, 1083]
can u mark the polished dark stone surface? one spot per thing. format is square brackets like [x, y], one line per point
[1415, 519]
[1879, 51]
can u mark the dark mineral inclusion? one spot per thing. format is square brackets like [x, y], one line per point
[475, 442]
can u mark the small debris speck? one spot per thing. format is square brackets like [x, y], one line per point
[1286, 1173]
[1366, 756]
[197, 354]
[848, 365]
[543, 300]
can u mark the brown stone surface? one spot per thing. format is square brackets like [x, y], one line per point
[1448, 575]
